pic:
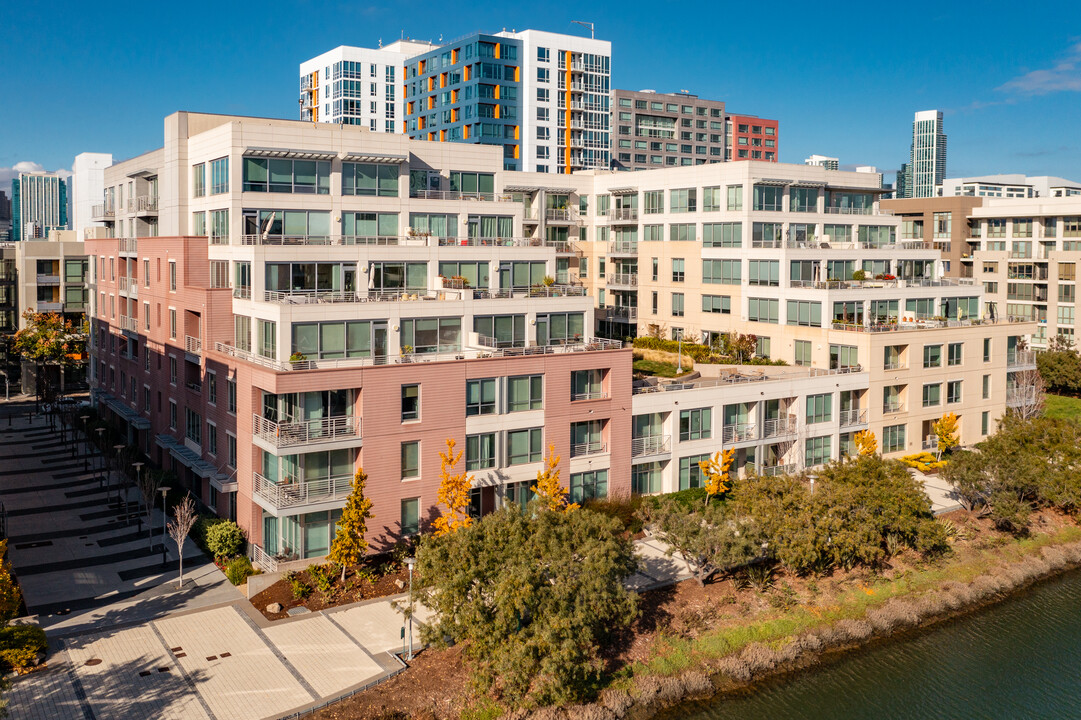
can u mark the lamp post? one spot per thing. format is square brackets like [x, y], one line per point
[116, 459]
[409, 563]
[138, 471]
[679, 365]
[164, 522]
[101, 475]
[86, 443]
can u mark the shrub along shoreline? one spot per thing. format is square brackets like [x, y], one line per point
[727, 660]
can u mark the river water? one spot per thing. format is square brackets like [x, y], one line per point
[1018, 659]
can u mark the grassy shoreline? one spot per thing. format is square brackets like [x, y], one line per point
[730, 659]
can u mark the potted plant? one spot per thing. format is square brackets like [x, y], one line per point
[407, 353]
[297, 358]
[859, 276]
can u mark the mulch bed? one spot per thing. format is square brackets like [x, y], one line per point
[357, 589]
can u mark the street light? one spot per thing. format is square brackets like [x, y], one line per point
[138, 466]
[164, 522]
[118, 447]
[679, 366]
[101, 475]
[86, 441]
[409, 563]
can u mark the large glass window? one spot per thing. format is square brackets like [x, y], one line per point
[819, 408]
[431, 335]
[690, 472]
[803, 312]
[893, 438]
[589, 485]
[473, 183]
[370, 179]
[525, 392]
[480, 452]
[398, 276]
[764, 272]
[695, 424]
[683, 200]
[818, 450]
[480, 397]
[524, 446]
[722, 234]
[219, 176]
[804, 199]
[763, 310]
[328, 340]
[932, 356]
[721, 272]
[198, 180]
[501, 330]
[768, 197]
[440, 225]
[286, 176]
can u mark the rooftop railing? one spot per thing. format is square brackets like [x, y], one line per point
[458, 195]
[392, 240]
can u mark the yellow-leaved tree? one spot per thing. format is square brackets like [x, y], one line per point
[453, 492]
[866, 443]
[945, 430]
[548, 488]
[349, 543]
[716, 471]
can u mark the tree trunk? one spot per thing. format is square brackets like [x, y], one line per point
[343, 573]
[180, 582]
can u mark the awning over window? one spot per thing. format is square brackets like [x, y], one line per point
[288, 153]
[186, 456]
[126, 413]
[373, 158]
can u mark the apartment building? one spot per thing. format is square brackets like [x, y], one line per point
[305, 312]
[357, 86]
[940, 222]
[751, 138]
[1008, 186]
[666, 129]
[309, 307]
[542, 98]
[775, 250]
[926, 168]
[830, 163]
[87, 189]
[39, 203]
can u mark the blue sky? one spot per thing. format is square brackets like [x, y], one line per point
[843, 79]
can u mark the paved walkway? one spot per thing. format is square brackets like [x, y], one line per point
[126, 643]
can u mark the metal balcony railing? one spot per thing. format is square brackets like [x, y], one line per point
[740, 432]
[143, 204]
[129, 323]
[627, 279]
[779, 427]
[128, 245]
[293, 493]
[560, 215]
[623, 247]
[893, 406]
[856, 416]
[1021, 358]
[595, 395]
[307, 432]
[775, 470]
[588, 448]
[651, 445]
[193, 345]
[621, 214]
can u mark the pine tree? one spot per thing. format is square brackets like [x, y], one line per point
[866, 444]
[453, 492]
[349, 543]
[548, 488]
[716, 470]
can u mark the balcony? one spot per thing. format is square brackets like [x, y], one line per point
[856, 416]
[100, 212]
[741, 432]
[48, 279]
[779, 427]
[651, 445]
[456, 195]
[623, 279]
[623, 215]
[311, 432]
[564, 247]
[295, 494]
[892, 406]
[128, 287]
[894, 365]
[130, 324]
[193, 345]
[49, 306]
[595, 395]
[622, 313]
[775, 470]
[588, 448]
[851, 211]
[560, 215]
[129, 246]
[195, 387]
[1022, 396]
[623, 247]
[392, 240]
[1021, 360]
[143, 205]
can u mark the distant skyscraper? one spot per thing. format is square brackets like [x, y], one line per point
[830, 163]
[927, 156]
[87, 189]
[904, 181]
[5, 216]
[39, 203]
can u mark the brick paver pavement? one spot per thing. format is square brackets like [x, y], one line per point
[328, 659]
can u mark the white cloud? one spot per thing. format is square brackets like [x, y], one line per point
[1063, 76]
[7, 174]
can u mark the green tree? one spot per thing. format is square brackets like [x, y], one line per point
[49, 339]
[711, 539]
[535, 594]
[349, 544]
[782, 507]
[1060, 370]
